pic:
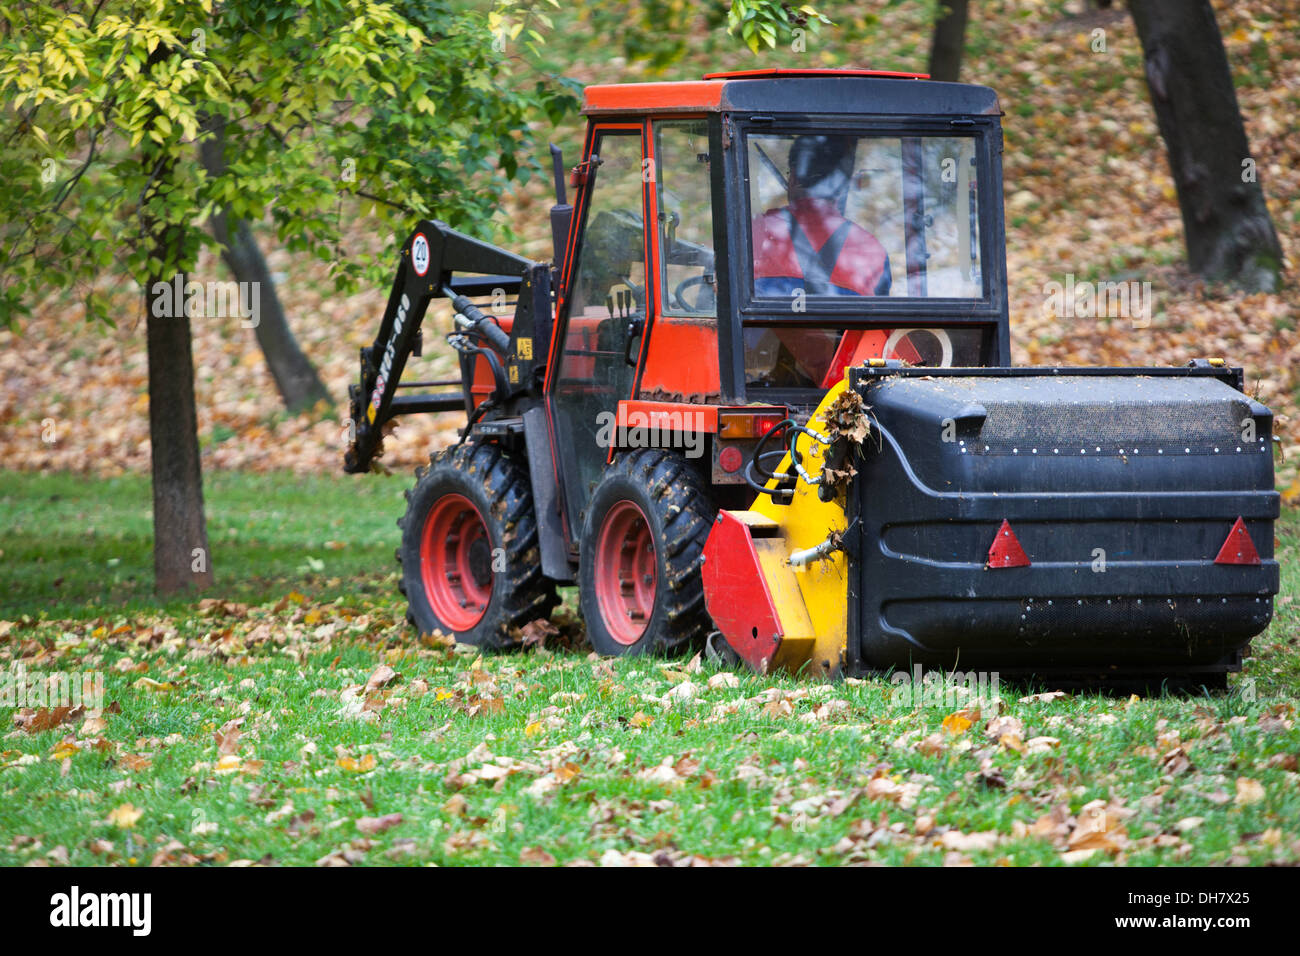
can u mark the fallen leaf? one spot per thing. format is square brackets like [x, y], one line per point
[1099, 827]
[965, 842]
[1248, 791]
[373, 825]
[357, 766]
[125, 816]
[1046, 698]
[158, 687]
[957, 723]
[46, 718]
[536, 633]
[228, 742]
[382, 677]
[134, 762]
[536, 856]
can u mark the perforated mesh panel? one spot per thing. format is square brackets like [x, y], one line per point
[1122, 422]
[1096, 410]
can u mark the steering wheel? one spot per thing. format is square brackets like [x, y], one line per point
[705, 299]
[941, 335]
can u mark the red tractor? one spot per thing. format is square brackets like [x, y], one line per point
[762, 397]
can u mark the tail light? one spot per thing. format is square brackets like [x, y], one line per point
[749, 423]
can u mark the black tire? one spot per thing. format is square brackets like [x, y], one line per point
[676, 508]
[498, 489]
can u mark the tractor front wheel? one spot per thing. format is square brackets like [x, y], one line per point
[643, 535]
[469, 556]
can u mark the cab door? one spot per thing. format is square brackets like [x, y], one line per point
[601, 313]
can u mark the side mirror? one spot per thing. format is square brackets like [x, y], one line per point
[581, 174]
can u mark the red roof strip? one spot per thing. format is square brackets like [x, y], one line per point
[680, 96]
[784, 72]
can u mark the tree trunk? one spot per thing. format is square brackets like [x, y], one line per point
[949, 40]
[1226, 224]
[295, 377]
[180, 536]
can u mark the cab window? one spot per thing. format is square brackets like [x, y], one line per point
[687, 279]
[847, 215]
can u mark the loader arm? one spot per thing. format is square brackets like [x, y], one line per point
[431, 257]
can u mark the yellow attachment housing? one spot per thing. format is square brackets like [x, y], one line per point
[812, 599]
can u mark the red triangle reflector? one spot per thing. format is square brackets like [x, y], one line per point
[1006, 552]
[1237, 547]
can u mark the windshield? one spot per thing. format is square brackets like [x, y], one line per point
[839, 216]
[863, 215]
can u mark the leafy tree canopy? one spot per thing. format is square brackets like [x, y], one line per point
[333, 108]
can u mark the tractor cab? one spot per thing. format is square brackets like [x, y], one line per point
[746, 238]
[802, 221]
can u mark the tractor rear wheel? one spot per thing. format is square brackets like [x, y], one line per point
[642, 539]
[470, 562]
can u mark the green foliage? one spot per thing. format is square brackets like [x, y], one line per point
[660, 33]
[332, 108]
[760, 22]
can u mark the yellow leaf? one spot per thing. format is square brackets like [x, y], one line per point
[957, 723]
[125, 816]
[533, 729]
[1292, 495]
[1248, 791]
[358, 766]
[148, 683]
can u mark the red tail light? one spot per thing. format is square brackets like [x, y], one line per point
[749, 423]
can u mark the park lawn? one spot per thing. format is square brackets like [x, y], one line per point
[244, 730]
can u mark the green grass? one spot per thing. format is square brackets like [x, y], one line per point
[580, 743]
[72, 546]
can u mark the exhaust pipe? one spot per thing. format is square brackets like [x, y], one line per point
[561, 212]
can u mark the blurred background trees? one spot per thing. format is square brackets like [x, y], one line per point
[1226, 224]
[306, 114]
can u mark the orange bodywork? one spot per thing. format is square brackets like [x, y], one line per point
[682, 360]
[694, 96]
[483, 384]
[669, 416]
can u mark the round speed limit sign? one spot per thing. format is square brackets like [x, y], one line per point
[420, 254]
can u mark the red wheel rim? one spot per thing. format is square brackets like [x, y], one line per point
[456, 562]
[626, 572]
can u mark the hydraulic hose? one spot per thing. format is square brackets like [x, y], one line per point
[471, 317]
